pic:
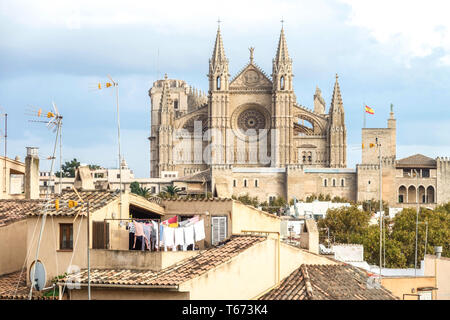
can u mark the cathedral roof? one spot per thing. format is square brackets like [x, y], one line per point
[417, 160]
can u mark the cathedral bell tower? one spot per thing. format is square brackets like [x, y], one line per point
[165, 131]
[219, 99]
[283, 100]
[337, 132]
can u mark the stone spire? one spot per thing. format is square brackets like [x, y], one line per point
[319, 102]
[336, 100]
[282, 66]
[282, 56]
[337, 132]
[218, 57]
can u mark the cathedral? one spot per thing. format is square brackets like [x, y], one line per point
[249, 135]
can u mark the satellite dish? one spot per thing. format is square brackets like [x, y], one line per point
[40, 276]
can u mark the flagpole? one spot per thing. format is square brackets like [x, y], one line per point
[364, 114]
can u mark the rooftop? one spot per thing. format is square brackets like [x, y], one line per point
[327, 282]
[417, 160]
[13, 286]
[15, 210]
[176, 274]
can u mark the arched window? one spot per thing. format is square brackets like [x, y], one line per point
[282, 83]
[218, 83]
[234, 183]
[309, 156]
[304, 156]
[334, 182]
[175, 104]
[342, 182]
[245, 183]
[325, 182]
[256, 183]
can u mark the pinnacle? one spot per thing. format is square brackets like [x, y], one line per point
[282, 50]
[218, 55]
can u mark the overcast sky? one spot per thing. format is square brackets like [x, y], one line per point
[384, 52]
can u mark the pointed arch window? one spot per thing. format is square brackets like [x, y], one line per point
[282, 83]
[218, 83]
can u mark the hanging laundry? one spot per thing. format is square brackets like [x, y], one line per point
[161, 235]
[199, 230]
[131, 232]
[189, 235]
[156, 228]
[179, 237]
[147, 234]
[170, 221]
[139, 234]
[169, 236]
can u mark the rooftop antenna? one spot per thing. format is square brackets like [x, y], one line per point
[53, 121]
[115, 84]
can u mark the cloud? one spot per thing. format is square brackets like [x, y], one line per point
[415, 28]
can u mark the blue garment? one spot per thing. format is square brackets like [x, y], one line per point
[147, 233]
[161, 232]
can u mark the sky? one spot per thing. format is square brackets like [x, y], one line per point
[384, 52]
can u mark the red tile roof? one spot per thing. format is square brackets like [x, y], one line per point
[327, 282]
[15, 210]
[176, 274]
[14, 286]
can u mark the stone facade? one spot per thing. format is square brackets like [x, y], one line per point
[253, 136]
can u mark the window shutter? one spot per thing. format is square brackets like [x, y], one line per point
[219, 229]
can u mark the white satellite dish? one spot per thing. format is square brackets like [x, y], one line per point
[40, 276]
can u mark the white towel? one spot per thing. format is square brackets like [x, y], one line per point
[199, 230]
[155, 225]
[179, 237]
[189, 235]
[169, 236]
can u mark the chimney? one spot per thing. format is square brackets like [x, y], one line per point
[83, 179]
[32, 173]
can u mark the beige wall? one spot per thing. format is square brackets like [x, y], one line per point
[138, 260]
[441, 268]
[13, 246]
[245, 218]
[407, 285]
[55, 261]
[12, 167]
[127, 294]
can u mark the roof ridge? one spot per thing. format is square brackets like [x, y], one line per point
[307, 280]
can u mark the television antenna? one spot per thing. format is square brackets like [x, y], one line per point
[53, 121]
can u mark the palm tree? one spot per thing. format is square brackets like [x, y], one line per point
[172, 191]
[144, 192]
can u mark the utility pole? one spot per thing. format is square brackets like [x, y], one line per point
[417, 221]
[88, 253]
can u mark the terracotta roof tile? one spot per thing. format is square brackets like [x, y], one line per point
[176, 274]
[15, 210]
[327, 282]
[97, 200]
[417, 160]
[13, 286]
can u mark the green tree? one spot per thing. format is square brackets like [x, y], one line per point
[134, 187]
[172, 191]
[346, 224]
[246, 199]
[68, 168]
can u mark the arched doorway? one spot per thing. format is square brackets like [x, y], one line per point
[412, 194]
[422, 194]
[402, 198]
[430, 194]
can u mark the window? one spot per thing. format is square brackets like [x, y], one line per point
[325, 182]
[153, 190]
[342, 182]
[118, 176]
[66, 236]
[218, 83]
[334, 182]
[245, 183]
[256, 183]
[218, 229]
[175, 104]
[234, 183]
[271, 199]
[400, 198]
[282, 83]
[425, 173]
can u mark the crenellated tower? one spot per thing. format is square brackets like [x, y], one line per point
[219, 99]
[283, 100]
[337, 132]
